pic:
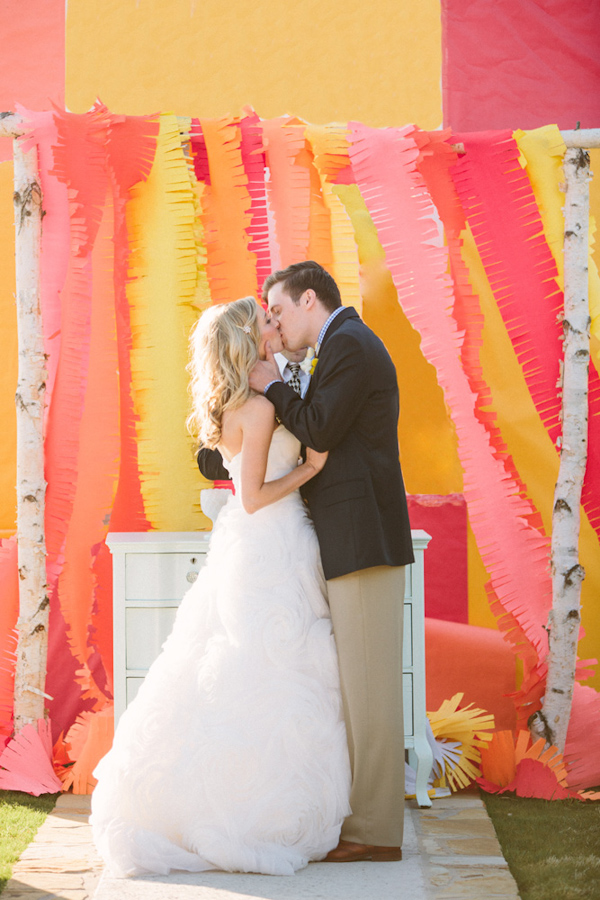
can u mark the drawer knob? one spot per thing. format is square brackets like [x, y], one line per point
[191, 576]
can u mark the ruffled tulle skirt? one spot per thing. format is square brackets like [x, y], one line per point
[233, 755]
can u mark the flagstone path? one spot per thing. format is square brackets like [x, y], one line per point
[450, 853]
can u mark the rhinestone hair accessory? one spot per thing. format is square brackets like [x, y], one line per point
[246, 328]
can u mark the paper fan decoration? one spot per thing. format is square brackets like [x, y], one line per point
[26, 763]
[460, 733]
[530, 770]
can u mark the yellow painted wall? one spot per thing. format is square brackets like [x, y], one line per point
[318, 59]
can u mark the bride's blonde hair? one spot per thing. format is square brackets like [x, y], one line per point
[223, 349]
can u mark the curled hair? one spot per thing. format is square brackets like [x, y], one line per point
[223, 349]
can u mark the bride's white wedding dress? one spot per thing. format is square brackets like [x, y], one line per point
[233, 754]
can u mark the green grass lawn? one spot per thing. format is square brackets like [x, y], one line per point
[552, 847]
[20, 817]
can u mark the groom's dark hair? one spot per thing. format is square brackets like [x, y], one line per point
[303, 276]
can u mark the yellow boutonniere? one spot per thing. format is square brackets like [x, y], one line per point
[309, 362]
[313, 365]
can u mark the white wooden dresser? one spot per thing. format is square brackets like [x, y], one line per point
[153, 570]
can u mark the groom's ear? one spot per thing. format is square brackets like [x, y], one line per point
[310, 298]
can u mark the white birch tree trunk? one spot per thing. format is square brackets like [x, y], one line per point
[567, 573]
[30, 675]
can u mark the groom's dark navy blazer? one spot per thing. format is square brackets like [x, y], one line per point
[357, 502]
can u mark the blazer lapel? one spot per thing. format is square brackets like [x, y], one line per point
[348, 313]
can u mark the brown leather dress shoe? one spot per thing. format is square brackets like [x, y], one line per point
[348, 851]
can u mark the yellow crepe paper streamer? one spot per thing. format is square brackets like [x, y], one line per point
[164, 301]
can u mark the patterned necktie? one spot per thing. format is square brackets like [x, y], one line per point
[294, 381]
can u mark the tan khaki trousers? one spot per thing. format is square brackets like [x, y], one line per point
[367, 610]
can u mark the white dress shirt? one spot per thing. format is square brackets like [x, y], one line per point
[286, 373]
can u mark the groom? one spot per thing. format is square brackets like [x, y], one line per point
[358, 506]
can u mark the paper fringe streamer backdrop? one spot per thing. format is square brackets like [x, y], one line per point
[148, 220]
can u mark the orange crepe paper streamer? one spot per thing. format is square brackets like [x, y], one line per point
[96, 474]
[288, 189]
[330, 156]
[506, 223]
[131, 148]
[88, 740]
[79, 162]
[226, 217]
[9, 613]
[26, 763]
[515, 555]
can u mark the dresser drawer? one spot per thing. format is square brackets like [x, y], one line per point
[160, 576]
[146, 630]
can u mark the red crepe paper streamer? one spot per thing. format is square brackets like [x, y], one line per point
[502, 211]
[26, 763]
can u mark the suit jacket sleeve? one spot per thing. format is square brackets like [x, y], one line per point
[339, 391]
[210, 463]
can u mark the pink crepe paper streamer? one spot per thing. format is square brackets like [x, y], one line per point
[254, 160]
[288, 188]
[514, 553]
[500, 204]
[26, 763]
[435, 164]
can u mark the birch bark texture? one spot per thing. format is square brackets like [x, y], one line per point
[567, 573]
[32, 626]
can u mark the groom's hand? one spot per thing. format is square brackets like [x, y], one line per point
[264, 372]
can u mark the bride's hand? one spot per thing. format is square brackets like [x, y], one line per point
[316, 460]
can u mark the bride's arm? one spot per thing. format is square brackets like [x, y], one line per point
[257, 422]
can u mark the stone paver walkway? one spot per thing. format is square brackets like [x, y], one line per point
[450, 853]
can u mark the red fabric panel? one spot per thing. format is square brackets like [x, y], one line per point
[521, 65]
[446, 578]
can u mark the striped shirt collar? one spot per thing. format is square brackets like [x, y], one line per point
[323, 330]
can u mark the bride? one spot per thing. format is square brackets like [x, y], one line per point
[233, 755]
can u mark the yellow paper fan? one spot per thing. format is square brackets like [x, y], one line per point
[469, 728]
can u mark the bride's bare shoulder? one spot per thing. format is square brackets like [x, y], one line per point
[257, 409]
